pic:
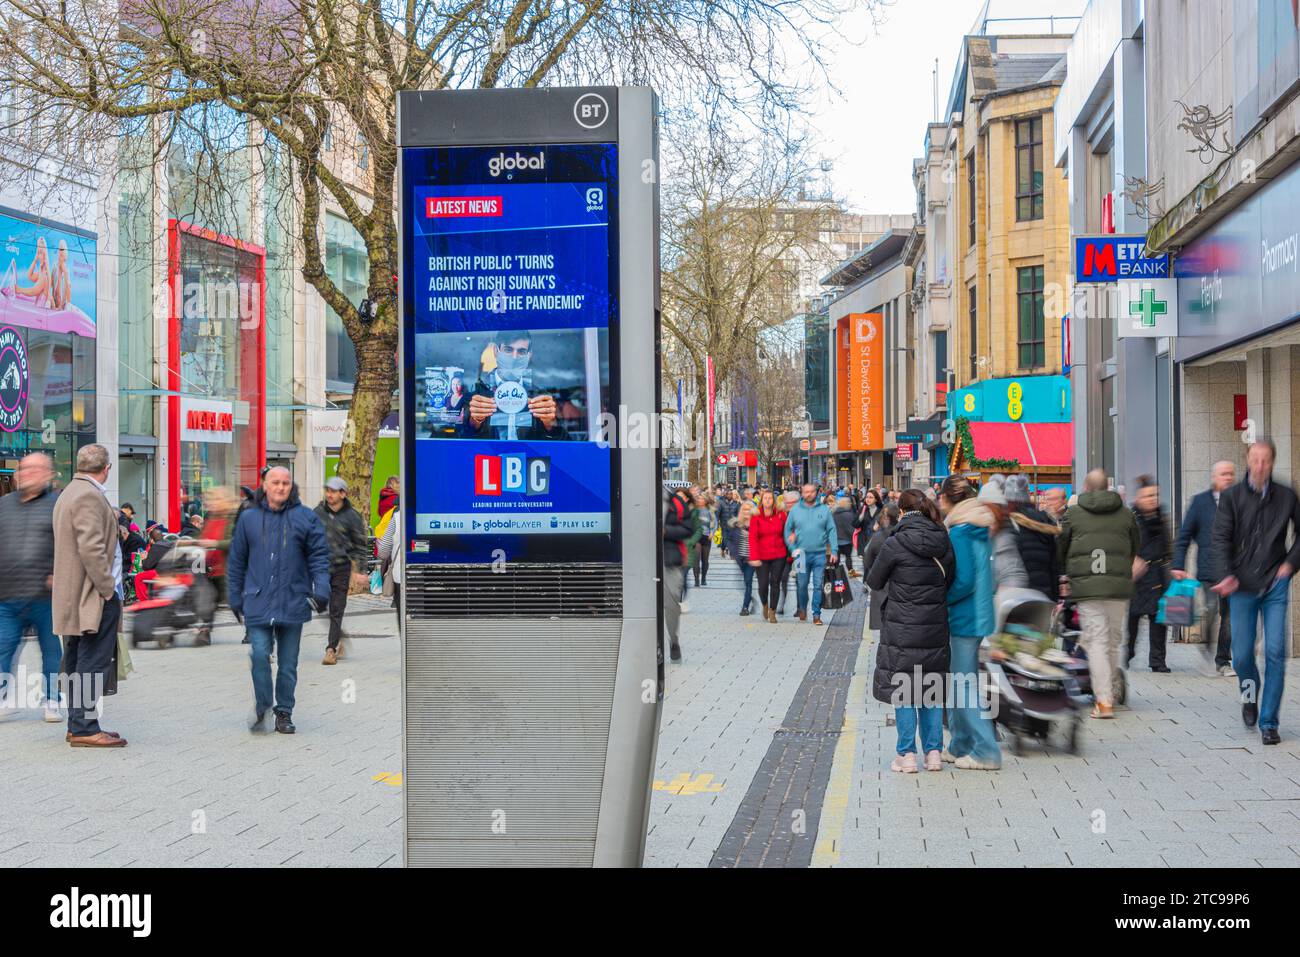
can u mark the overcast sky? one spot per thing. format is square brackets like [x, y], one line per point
[873, 128]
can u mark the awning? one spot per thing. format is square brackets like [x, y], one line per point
[1029, 443]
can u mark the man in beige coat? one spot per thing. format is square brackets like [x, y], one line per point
[87, 599]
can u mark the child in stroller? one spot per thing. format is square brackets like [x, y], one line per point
[1037, 689]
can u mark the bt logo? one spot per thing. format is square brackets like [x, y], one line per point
[502, 162]
[519, 474]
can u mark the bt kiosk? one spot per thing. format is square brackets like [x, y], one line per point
[529, 293]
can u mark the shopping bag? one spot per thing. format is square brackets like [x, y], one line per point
[376, 582]
[717, 536]
[124, 665]
[842, 586]
[1178, 605]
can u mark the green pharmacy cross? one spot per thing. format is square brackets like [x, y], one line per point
[1148, 308]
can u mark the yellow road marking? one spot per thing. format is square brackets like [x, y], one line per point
[686, 785]
[835, 807]
[391, 778]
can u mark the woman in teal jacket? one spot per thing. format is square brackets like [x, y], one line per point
[973, 745]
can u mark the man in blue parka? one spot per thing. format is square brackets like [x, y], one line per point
[278, 571]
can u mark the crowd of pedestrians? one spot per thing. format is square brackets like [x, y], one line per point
[937, 562]
[74, 561]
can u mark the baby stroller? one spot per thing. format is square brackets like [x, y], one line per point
[180, 599]
[1034, 687]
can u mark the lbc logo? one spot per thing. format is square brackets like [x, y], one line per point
[519, 474]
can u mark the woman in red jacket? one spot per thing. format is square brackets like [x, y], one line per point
[767, 551]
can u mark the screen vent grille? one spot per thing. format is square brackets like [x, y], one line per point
[513, 591]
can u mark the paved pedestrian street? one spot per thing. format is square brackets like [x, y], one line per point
[771, 753]
[195, 788]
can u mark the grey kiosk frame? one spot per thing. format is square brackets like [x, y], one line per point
[530, 715]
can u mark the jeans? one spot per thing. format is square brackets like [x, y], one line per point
[811, 568]
[1218, 612]
[702, 562]
[931, 723]
[1245, 609]
[747, 572]
[1155, 640]
[14, 617]
[674, 582]
[340, 583]
[846, 556]
[286, 639]
[970, 724]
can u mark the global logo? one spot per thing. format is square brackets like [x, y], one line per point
[501, 163]
[14, 380]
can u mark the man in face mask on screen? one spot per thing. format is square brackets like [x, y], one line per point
[502, 405]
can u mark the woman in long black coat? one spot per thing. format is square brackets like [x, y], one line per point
[1155, 551]
[914, 569]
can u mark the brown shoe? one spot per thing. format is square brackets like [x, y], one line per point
[817, 621]
[111, 734]
[771, 615]
[331, 657]
[101, 740]
[802, 615]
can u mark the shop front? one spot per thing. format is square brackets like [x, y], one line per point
[216, 365]
[47, 343]
[1238, 345]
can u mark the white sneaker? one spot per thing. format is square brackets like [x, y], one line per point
[685, 608]
[947, 757]
[967, 763]
[904, 764]
[1227, 672]
[53, 715]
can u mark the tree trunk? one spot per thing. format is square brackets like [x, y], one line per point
[372, 398]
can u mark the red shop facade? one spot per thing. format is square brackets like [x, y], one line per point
[216, 364]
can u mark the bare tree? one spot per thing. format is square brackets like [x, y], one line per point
[736, 228]
[293, 78]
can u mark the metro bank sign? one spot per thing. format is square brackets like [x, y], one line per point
[1116, 258]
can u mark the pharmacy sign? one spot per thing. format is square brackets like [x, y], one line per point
[1148, 308]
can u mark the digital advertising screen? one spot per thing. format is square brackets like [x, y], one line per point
[510, 269]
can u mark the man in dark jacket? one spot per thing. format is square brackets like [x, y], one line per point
[346, 534]
[26, 571]
[278, 570]
[1153, 530]
[1198, 528]
[677, 529]
[1098, 548]
[1250, 534]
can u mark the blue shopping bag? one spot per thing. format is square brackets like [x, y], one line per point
[1178, 605]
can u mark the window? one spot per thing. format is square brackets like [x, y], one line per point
[972, 310]
[941, 358]
[1029, 169]
[1033, 325]
[970, 196]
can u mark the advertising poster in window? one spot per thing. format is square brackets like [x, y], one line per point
[47, 277]
[511, 278]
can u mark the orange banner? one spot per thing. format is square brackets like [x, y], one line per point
[864, 384]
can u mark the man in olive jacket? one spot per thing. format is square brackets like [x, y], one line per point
[1098, 548]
